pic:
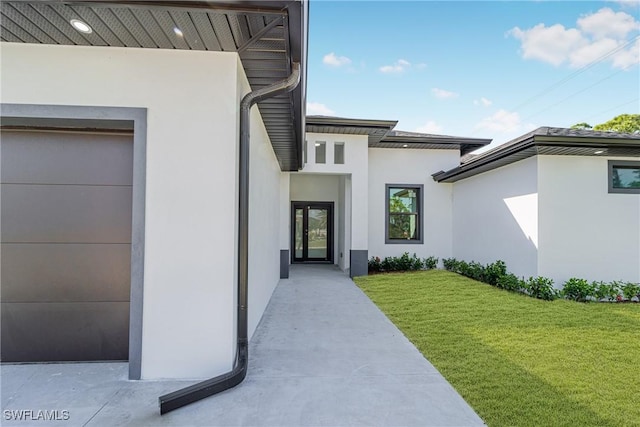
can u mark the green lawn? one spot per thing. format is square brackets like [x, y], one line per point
[516, 360]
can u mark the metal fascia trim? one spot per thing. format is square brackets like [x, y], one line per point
[476, 163]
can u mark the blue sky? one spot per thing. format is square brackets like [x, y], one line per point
[481, 69]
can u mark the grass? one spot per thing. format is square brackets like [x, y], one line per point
[516, 360]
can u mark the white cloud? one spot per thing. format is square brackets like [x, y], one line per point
[333, 60]
[607, 23]
[549, 44]
[629, 57]
[596, 35]
[590, 52]
[627, 3]
[398, 67]
[501, 121]
[482, 101]
[429, 127]
[315, 108]
[443, 94]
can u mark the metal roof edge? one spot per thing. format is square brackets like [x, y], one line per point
[479, 142]
[538, 138]
[349, 122]
[483, 160]
[298, 12]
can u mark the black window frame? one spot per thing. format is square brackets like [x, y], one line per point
[420, 214]
[613, 164]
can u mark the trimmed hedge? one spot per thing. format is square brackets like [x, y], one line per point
[575, 289]
[496, 274]
[402, 263]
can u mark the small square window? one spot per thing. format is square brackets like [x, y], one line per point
[624, 177]
[321, 152]
[304, 153]
[338, 153]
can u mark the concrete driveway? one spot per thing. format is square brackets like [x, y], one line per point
[323, 355]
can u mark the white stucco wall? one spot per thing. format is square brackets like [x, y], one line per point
[264, 214]
[495, 216]
[400, 166]
[342, 257]
[285, 211]
[191, 188]
[585, 231]
[356, 167]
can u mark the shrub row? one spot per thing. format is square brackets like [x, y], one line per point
[496, 274]
[581, 290]
[402, 263]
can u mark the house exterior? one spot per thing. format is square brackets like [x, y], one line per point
[120, 177]
[355, 165]
[122, 182]
[557, 203]
[544, 203]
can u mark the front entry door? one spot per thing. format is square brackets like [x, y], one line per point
[312, 232]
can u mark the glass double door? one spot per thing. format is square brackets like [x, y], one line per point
[312, 232]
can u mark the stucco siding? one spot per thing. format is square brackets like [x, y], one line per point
[495, 217]
[396, 166]
[264, 215]
[355, 170]
[190, 250]
[585, 231]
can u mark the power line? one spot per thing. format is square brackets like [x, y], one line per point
[576, 73]
[572, 76]
[574, 94]
[613, 108]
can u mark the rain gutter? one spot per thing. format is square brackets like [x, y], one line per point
[206, 388]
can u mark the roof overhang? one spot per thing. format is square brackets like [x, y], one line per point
[375, 129]
[546, 141]
[431, 142]
[269, 36]
[382, 135]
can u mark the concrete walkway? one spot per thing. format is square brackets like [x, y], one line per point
[323, 355]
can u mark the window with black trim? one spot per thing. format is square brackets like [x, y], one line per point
[403, 213]
[624, 176]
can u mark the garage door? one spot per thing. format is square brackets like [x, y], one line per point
[66, 245]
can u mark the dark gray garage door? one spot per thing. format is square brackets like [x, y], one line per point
[66, 245]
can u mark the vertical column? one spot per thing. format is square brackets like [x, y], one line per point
[285, 224]
[360, 212]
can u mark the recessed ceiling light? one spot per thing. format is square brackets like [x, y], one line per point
[599, 152]
[83, 27]
[178, 31]
[317, 144]
[405, 146]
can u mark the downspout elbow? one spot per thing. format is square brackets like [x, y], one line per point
[193, 393]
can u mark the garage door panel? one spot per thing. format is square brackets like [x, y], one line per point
[34, 332]
[65, 272]
[66, 213]
[66, 158]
